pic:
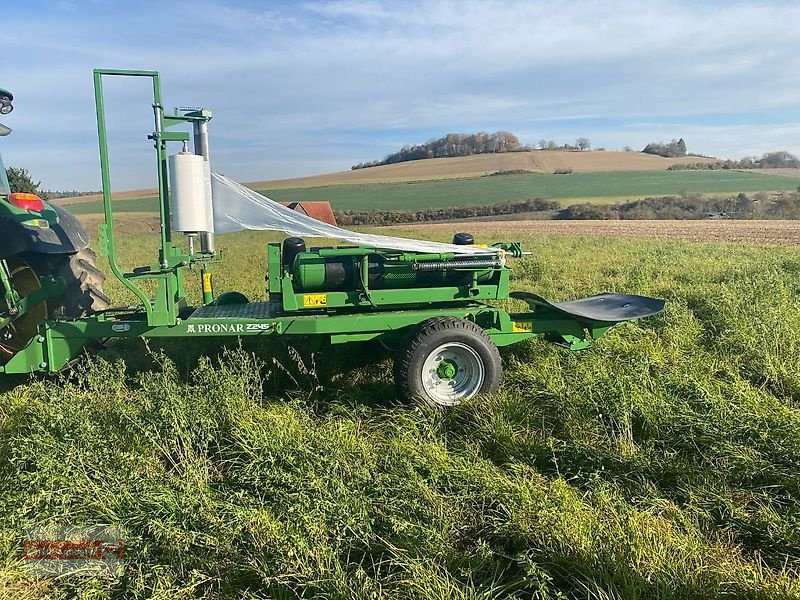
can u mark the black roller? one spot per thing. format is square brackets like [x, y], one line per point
[291, 248]
[463, 239]
[343, 273]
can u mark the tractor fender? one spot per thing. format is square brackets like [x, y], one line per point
[65, 237]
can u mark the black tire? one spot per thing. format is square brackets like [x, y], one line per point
[84, 294]
[456, 347]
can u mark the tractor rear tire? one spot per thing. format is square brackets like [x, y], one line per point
[445, 361]
[84, 294]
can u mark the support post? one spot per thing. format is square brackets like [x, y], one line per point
[200, 128]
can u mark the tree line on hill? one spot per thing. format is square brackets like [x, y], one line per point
[580, 144]
[761, 205]
[396, 217]
[55, 194]
[461, 144]
[785, 205]
[669, 150]
[770, 160]
[19, 180]
[452, 144]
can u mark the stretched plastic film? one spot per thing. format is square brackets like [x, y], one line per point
[237, 207]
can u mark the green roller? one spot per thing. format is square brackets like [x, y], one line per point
[315, 273]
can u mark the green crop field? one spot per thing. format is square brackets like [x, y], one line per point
[490, 190]
[661, 463]
[132, 205]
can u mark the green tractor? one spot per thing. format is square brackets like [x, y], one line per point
[40, 242]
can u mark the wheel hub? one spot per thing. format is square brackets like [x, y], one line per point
[447, 369]
[453, 372]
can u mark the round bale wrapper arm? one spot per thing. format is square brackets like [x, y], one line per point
[433, 302]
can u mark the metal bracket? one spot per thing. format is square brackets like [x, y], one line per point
[9, 293]
[50, 287]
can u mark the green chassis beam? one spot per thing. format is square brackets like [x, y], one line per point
[60, 341]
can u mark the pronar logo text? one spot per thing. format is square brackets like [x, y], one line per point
[222, 328]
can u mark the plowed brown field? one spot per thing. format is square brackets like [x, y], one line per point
[784, 233]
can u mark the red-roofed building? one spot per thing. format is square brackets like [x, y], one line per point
[321, 211]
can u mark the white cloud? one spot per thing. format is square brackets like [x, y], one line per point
[290, 84]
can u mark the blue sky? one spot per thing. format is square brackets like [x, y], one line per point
[300, 88]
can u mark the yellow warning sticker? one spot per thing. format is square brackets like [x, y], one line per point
[207, 282]
[313, 300]
[522, 326]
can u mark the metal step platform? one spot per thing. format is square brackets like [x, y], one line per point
[250, 310]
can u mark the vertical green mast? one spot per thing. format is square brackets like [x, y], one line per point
[107, 242]
[161, 166]
[168, 271]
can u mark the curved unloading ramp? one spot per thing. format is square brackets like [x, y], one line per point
[602, 309]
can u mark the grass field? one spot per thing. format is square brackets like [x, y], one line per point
[605, 186]
[662, 463]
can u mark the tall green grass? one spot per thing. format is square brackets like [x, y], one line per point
[663, 463]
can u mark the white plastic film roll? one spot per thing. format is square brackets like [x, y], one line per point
[191, 207]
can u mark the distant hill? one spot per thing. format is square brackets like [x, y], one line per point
[460, 167]
[538, 161]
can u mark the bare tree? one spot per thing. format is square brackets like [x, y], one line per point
[583, 143]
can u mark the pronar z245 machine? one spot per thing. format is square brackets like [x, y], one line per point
[434, 307]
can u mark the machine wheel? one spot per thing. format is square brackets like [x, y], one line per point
[84, 280]
[447, 360]
[84, 294]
